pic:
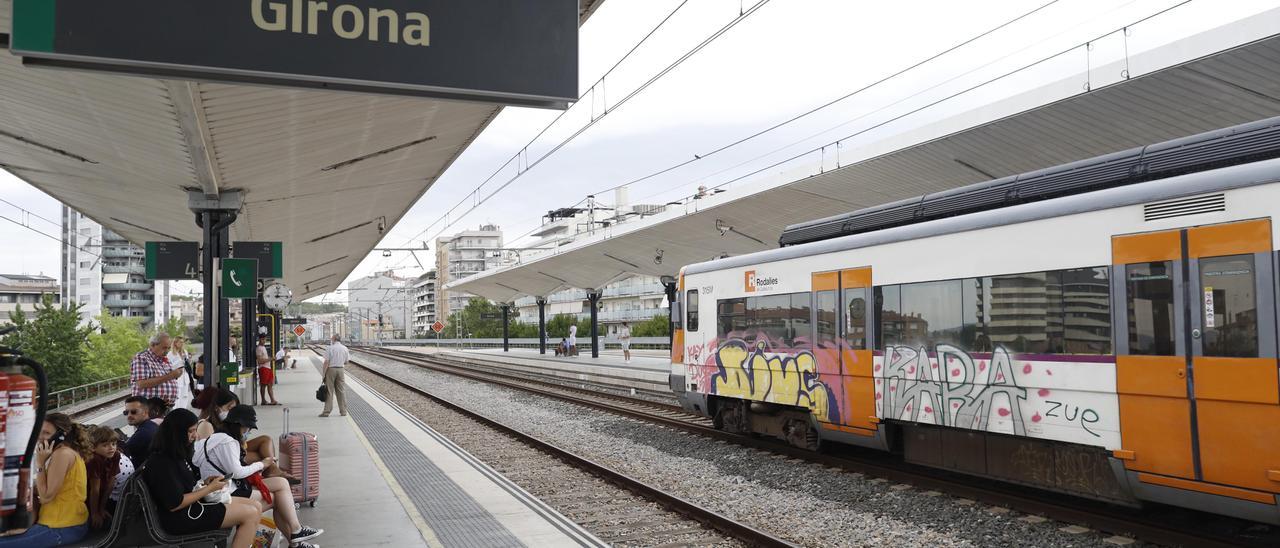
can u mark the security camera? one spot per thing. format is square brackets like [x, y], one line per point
[723, 228]
[382, 225]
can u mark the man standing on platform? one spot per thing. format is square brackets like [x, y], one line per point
[150, 374]
[266, 373]
[624, 337]
[573, 339]
[335, 363]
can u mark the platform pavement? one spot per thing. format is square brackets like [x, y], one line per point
[650, 373]
[389, 480]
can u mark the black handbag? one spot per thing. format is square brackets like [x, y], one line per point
[322, 393]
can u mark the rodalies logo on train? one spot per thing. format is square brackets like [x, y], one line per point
[754, 283]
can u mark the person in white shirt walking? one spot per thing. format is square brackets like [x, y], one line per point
[573, 339]
[624, 337]
[335, 363]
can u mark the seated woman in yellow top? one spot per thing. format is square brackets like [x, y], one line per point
[61, 484]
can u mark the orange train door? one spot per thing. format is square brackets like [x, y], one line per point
[840, 303]
[1196, 369]
[859, 388]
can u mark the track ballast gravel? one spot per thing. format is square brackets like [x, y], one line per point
[802, 502]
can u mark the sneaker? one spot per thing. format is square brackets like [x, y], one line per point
[324, 414]
[306, 533]
[304, 545]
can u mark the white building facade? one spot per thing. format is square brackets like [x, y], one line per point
[424, 304]
[462, 255]
[22, 290]
[102, 271]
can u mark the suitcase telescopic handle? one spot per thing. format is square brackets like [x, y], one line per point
[286, 420]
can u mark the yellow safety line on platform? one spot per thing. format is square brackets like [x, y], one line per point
[428, 534]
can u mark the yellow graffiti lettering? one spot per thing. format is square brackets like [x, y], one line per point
[785, 380]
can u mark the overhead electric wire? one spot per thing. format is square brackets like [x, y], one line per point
[949, 97]
[839, 99]
[702, 45]
[824, 106]
[904, 99]
[50, 236]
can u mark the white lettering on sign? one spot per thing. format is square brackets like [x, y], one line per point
[1208, 307]
[347, 21]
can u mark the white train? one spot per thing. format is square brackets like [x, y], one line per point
[1105, 328]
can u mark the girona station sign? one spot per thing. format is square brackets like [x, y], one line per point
[520, 52]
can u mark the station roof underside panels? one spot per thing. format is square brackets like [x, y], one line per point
[1221, 83]
[311, 164]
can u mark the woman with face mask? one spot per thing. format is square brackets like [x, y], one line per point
[216, 405]
[222, 454]
[172, 483]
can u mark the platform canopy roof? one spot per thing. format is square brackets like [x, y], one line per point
[1219, 78]
[319, 171]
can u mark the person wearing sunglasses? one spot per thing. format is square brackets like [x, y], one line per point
[137, 414]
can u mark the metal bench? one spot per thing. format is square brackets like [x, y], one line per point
[136, 523]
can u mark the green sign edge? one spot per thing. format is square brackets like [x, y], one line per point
[33, 24]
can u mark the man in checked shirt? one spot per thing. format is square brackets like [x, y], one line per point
[150, 373]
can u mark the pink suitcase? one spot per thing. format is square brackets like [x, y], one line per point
[303, 461]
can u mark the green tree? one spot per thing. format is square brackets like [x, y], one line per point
[656, 326]
[56, 340]
[112, 347]
[14, 338]
[175, 326]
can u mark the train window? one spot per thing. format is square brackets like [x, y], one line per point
[691, 310]
[1023, 312]
[731, 321]
[855, 314]
[889, 313]
[1230, 306]
[828, 319]
[930, 314]
[1150, 294]
[973, 334]
[1086, 310]
[800, 328]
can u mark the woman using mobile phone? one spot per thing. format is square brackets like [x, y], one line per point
[172, 484]
[61, 484]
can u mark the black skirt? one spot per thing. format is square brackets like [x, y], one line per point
[197, 518]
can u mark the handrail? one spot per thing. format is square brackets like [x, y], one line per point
[85, 392]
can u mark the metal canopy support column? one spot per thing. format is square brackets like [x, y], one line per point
[542, 325]
[670, 287]
[594, 296]
[506, 324]
[214, 214]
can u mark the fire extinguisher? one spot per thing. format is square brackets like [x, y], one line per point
[27, 403]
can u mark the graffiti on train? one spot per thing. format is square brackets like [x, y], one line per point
[915, 388]
[788, 379]
[989, 392]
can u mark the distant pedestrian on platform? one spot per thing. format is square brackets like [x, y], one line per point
[562, 349]
[624, 337]
[335, 363]
[573, 339]
[150, 374]
[283, 359]
[266, 373]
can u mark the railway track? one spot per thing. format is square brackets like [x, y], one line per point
[1144, 526]
[619, 509]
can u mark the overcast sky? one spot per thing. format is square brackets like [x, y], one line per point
[788, 57]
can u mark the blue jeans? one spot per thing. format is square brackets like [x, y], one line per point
[39, 536]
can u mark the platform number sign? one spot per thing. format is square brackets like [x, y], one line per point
[437, 327]
[172, 260]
